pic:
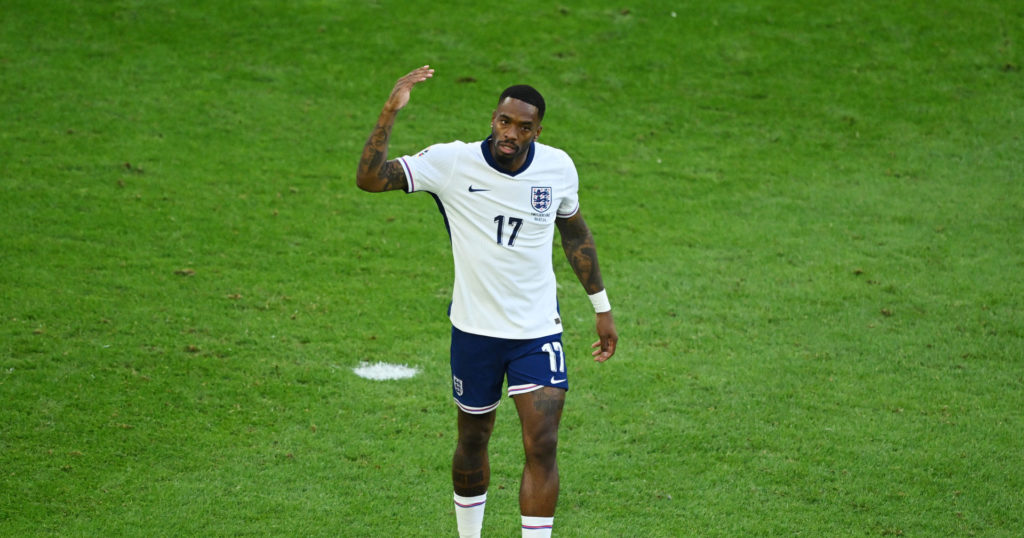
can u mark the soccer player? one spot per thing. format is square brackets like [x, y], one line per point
[501, 199]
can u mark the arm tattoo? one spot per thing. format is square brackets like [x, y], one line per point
[376, 149]
[393, 176]
[578, 243]
[374, 159]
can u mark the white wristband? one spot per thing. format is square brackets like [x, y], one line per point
[600, 301]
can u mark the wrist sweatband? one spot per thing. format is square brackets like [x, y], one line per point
[600, 301]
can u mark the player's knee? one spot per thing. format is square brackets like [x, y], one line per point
[475, 437]
[541, 447]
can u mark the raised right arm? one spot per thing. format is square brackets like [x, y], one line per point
[376, 173]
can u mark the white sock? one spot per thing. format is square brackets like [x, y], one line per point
[537, 527]
[469, 514]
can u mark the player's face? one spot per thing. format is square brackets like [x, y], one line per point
[514, 126]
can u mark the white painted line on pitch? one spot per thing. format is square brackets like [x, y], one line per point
[383, 371]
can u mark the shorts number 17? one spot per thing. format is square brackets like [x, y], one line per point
[554, 350]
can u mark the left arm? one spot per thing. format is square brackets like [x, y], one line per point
[578, 244]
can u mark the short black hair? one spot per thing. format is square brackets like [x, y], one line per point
[526, 94]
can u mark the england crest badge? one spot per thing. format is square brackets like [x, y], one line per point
[540, 198]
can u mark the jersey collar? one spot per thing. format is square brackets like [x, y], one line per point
[485, 148]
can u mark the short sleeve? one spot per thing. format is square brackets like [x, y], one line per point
[570, 203]
[430, 169]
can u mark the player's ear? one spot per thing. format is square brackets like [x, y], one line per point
[539, 129]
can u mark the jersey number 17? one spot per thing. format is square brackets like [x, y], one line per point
[515, 223]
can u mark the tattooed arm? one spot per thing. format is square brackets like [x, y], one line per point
[578, 244]
[376, 173]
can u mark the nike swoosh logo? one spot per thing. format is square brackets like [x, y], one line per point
[471, 189]
[557, 381]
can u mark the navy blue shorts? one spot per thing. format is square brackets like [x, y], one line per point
[481, 363]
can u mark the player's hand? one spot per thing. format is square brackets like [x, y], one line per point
[400, 93]
[609, 337]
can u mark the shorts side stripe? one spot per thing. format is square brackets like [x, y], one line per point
[522, 389]
[477, 410]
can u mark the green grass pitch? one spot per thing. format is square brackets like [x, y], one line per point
[810, 218]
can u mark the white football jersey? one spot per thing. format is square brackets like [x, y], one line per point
[502, 228]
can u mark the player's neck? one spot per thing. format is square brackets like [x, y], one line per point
[510, 166]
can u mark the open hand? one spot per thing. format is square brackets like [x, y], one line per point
[400, 93]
